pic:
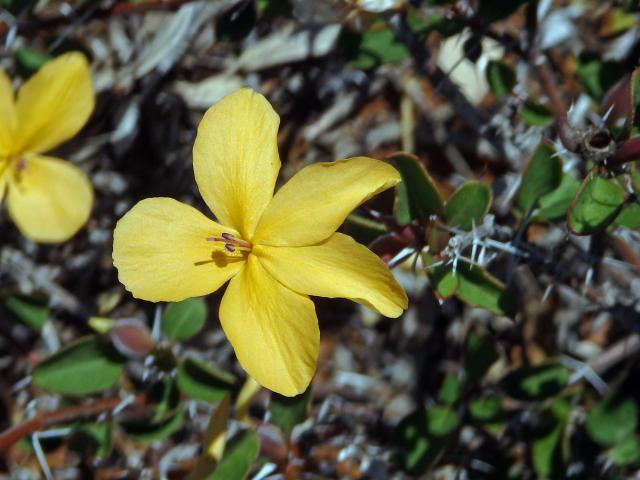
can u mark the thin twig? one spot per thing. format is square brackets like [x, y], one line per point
[558, 107]
[66, 415]
[475, 118]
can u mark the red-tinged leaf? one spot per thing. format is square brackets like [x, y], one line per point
[131, 337]
[629, 151]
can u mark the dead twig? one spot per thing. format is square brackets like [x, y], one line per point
[66, 415]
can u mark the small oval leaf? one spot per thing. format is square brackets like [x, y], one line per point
[131, 337]
[417, 197]
[597, 204]
[287, 412]
[501, 78]
[537, 382]
[613, 419]
[87, 365]
[182, 320]
[554, 205]
[536, 114]
[443, 280]
[626, 452]
[421, 437]
[468, 205]
[478, 288]
[630, 216]
[542, 175]
[33, 314]
[239, 455]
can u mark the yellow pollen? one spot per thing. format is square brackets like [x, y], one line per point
[231, 243]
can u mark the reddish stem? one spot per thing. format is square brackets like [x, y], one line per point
[65, 415]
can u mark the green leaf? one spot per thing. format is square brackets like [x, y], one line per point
[287, 412]
[597, 204]
[474, 286]
[543, 175]
[533, 383]
[626, 452]
[147, 430]
[421, 437]
[468, 205]
[630, 216]
[203, 381]
[612, 420]
[633, 115]
[597, 76]
[480, 289]
[486, 409]
[417, 197]
[493, 10]
[85, 366]
[377, 46]
[239, 455]
[29, 312]
[546, 452]
[443, 280]
[450, 390]
[554, 205]
[182, 320]
[635, 178]
[501, 78]
[536, 114]
[30, 60]
[480, 354]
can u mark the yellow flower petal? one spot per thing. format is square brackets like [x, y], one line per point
[339, 267]
[49, 199]
[161, 251]
[274, 331]
[315, 202]
[8, 116]
[235, 159]
[55, 103]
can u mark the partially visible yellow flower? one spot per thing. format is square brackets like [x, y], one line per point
[48, 198]
[276, 249]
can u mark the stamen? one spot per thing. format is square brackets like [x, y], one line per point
[231, 243]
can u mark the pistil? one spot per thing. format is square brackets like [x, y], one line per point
[231, 243]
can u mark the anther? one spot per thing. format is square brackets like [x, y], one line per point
[231, 243]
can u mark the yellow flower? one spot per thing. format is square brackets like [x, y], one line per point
[48, 198]
[276, 249]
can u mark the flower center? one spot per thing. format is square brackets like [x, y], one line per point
[18, 163]
[231, 243]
